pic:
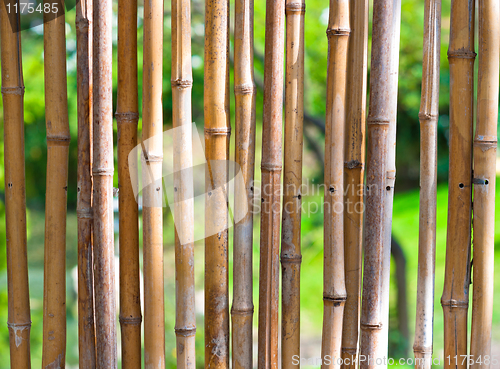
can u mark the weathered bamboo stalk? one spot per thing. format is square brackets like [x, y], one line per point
[354, 176]
[455, 299]
[271, 186]
[379, 119]
[485, 148]
[182, 82]
[127, 117]
[428, 116]
[19, 321]
[334, 293]
[58, 138]
[86, 318]
[154, 305]
[102, 173]
[244, 93]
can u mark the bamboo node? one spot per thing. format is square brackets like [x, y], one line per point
[86, 213]
[424, 117]
[18, 90]
[221, 131]
[461, 54]
[378, 121]
[270, 167]
[370, 326]
[350, 350]
[19, 325]
[299, 8]
[334, 298]
[484, 145]
[245, 89]
[57, 140]
[153, 158]
[127, 117]
[130, 320]
[242, 311]
[181, 83]
[452, 303]
[330, 32]
[103, 171]
[185, 332]
[296, 259]
[353, 164]
[82, 24]
[422, 349]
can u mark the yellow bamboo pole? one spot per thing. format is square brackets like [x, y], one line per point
[127, 117]
[271, 186]
[19, 321]
[244, 93]
[56, 117]
[485, 147]
[428, 116]
[455, 299]
[102, 172]
[182, 82]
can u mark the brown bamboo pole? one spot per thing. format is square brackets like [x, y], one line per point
[455, 299]
[354, 176]
[152, 123]
[485, 147]
[102, 173]
[127, 117]
[244, 93]
[56, 117]
[334, 292]
[271, 186]
[19, 320]
[86, 318]
[428, 116]
[182, 82]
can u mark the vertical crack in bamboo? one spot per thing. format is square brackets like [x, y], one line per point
[428, 116]
[58, 138]
[19, 320]
[485, 148]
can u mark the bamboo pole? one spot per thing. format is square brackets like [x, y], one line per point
[354, 176]
[428, 116]
[19, 321]
[485, 147]
[182, 82]
[455, 299]
[379, 118]
[244, 93]
[271, 186]
[86, 318]
[152, 123]
[334, 293]
[102, 173]
[58, 138]
[127, 117]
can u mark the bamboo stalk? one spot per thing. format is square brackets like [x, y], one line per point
[127, 117]
[102, 172]
[86, 318]
[354, 176]
[182, 82]
[455, 299]
[244, 93]
[485, 147]
[154, 305]
[19, 321]
[271, 186]
[58, 138]
[428, 116]
[334, 293]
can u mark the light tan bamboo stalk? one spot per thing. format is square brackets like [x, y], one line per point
[379, 118]
[428, 116]
[127, 117]
[19, 321]
[485, 147]
[86, 318]
[56, 117]
[182, 82]
[102, 173]
[354, 176]
[244, 93]
[271, 186]
[455, 299]
[334, 292]
[152, 123]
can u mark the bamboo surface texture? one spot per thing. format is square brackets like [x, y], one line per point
[182, 82]
[56, 117]
[19, 321]
[292, 181]
[102, 172]
[455, 298]
[428, 116]
[271, 186]
[127, 117]
[485, 148]
[244, 92]
[334, 291]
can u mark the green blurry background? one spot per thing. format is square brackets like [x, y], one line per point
[405, 225]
